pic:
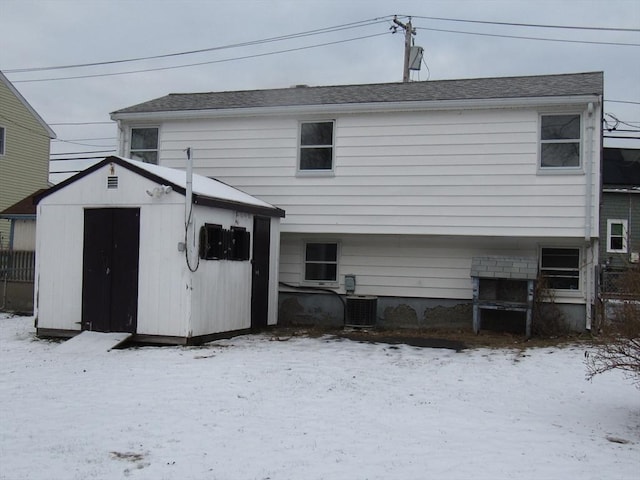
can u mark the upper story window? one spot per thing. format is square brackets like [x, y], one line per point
[316, 146]
[561, 268]
[321, 262]
[617, 236]
[144, 144]
[2, 140]
[560, 139]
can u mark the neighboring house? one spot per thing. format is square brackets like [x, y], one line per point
[111, 255]
[619, 216]
[391, 190]
[18, 261]
[24, 152]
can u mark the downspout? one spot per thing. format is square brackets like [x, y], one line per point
[589, 173]
[121, 138]
[588, 212]
[189, 241]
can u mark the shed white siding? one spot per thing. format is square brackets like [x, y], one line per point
[173, 301]
[162, 272]
[462, 172]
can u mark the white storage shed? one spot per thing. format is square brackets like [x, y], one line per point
[115, 252]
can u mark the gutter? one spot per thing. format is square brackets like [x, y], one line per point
[370, 107]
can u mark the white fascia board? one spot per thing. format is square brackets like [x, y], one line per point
[372, 107]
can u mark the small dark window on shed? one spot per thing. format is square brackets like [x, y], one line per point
[240, 240]
[212, 242]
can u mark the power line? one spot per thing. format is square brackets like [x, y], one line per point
[337, 28]
[87, 139]
[510, 24]
[617, 44]
[622, 101]
[257, 55]
[78, 153]
[83, 123]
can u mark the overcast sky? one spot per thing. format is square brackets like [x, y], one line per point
[45, 33]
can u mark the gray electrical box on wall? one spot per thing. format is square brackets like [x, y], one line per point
[350, 283]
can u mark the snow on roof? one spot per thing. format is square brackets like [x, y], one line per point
[203, 186]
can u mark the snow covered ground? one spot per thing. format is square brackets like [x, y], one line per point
[255, 407]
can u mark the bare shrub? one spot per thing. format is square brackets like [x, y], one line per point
[617, 347]
[548, 319]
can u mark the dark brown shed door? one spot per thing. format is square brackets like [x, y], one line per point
[110, 269]
[260, 278]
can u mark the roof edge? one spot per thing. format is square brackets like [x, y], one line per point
[363, 107]
[28, 106]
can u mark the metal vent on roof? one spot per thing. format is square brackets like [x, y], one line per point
[112, 182]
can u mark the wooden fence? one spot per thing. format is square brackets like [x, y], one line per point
[17, 265]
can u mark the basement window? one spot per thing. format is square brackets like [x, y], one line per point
[321, 262]
[561, 268]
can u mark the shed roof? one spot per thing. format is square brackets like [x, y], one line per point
[466, 89]
[206, 191]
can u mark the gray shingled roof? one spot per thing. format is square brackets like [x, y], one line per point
[466, 89]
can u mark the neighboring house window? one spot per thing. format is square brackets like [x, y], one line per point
[316, 146]
[561, 268]
[2, 142]
[617, 236]
[321, 262]
[560, 141]
[144, 144]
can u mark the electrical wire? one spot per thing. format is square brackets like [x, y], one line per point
[337, 28]
[510, 24]
[82, 123]
[587, 42]
[257, 55]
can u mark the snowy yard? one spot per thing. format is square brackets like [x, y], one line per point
[254, 407]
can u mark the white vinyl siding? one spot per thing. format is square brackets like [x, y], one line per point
[464, 172]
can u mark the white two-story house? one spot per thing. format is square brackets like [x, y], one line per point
[396, 187]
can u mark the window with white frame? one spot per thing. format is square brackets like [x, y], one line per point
[321, 262]
[560, 140]
[316, 146]
[2, 140]
[144, 144]
[560, 267]
[616, 236]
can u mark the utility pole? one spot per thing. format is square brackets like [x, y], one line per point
[408, 32]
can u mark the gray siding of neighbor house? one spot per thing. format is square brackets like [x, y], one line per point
[620, 206]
